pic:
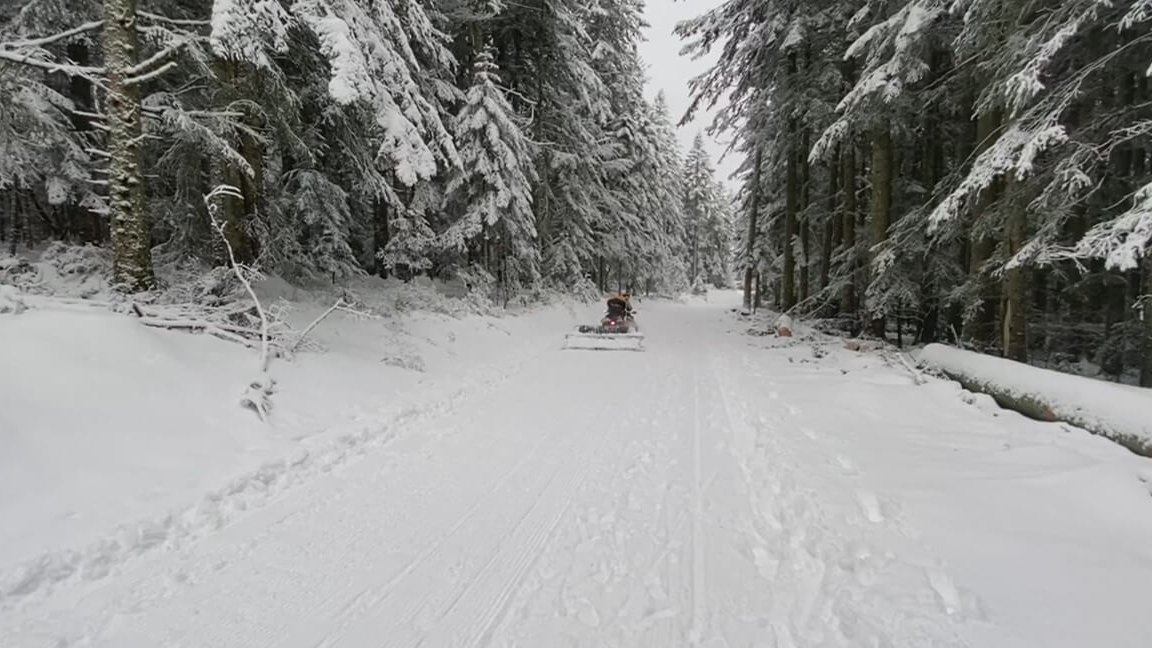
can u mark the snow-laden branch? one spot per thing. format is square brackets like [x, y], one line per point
[172, 21]
[231, 334]
[50, 66]
[154, 60]
[154, 65]
[55, 38]
[148, 76]
[1124, 240]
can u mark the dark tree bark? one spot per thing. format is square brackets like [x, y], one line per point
[981, 327]
[753, 218]
[791, 207]
[1014, 320]
[1146, 313]
[848, 212]
[131, 225]
[881, 199]
[832, 224]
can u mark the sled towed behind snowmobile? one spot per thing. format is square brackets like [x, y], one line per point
[612, 334]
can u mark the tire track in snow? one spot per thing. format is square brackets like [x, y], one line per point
[609, 578]
[372, 595]
[698, 603]
[496, 562]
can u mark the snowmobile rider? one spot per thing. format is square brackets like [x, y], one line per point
[620, 305]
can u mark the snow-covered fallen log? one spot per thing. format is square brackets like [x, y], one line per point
[1118, 412]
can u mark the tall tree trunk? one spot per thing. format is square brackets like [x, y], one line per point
[981, 327]
[82, 220]
[805, 221]
[131, 226]
[1146, 314]
[832, 224]
[792, 202]
[381, 236]
[13, 220]
[235, 211]
[848, 218]
[1014, 322]
[753, 217]
[881, 201]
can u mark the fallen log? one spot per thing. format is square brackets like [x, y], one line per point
[235, 334]
[1120, 413]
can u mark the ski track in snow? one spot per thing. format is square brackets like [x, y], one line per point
[582, 499]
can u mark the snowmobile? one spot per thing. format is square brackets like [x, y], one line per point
[615, 332]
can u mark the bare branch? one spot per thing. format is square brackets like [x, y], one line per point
[55, 38]
[172, 21]
[256, 396]
[215, 330]
[160, 71]
[308, 329]
[63, 68]
[233, 192]
[90, 115]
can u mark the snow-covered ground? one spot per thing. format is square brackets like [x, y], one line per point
[718, 489]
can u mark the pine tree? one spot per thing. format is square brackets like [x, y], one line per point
[708, 219]
[494, 187]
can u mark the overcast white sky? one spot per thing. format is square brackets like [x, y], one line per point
[670, 72]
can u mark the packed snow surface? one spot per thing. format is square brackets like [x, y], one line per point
[718, 489]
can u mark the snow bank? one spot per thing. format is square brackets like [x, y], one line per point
[1118, 412]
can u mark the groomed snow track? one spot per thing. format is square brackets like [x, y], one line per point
[672, 498]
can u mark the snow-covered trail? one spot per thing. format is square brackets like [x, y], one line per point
[676, 497]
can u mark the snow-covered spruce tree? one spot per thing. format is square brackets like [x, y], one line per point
[493, 189]
[391, 59]
[666, 208]
[977, 142]
[773, 57]
[708, 220]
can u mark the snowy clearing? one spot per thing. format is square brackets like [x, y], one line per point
[718, 489]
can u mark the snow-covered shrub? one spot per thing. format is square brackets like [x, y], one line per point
[17, 271]
[190, 282]
[10, 301]
[78, 260]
